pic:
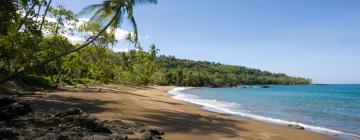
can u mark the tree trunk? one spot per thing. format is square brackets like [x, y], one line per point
[25, 17]
[59, 74]
[62, 69]
[89, 41]
[64, 76]
[43, 18]
[57, 25]
[51, 74]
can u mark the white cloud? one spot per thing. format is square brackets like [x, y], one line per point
[73, 38]
[120, 34]
[118, 49]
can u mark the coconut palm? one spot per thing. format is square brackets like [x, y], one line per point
[153, 51]
[112, 11]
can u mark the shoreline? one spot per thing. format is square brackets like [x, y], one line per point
[179, 95]
[156, 108]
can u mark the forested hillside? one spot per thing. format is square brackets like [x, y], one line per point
[183, 72]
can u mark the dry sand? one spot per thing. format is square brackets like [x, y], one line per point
[155, 108]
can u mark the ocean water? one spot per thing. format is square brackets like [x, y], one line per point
[328, 109]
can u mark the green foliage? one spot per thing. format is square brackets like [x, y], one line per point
[7, 15]
[182, 72]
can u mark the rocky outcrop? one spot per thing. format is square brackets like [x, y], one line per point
[18, 121]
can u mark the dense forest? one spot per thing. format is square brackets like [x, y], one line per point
[172, 71]
[36, 46]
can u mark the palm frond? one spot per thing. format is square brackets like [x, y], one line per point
[90, 9]
[109, 8]
[141, 2]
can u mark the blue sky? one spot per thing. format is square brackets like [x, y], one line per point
[318, 39]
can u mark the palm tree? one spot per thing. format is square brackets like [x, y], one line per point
[153, 51]
[111, 11]
[129, 39]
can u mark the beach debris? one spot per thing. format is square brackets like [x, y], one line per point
[296, 126]
[19, 121]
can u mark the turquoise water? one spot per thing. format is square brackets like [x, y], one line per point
[331, 109]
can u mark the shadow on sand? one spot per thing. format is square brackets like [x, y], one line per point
[55, 102]
[194, 123]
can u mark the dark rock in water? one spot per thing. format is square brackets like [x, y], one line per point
[296, 126]
[16, 122]
[265, 86]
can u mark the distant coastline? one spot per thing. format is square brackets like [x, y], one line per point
[191, 73]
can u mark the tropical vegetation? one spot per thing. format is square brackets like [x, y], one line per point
[37, 45]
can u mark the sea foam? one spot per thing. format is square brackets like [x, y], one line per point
[234, 109]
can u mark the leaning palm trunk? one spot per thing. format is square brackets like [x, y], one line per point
[43, 18]
[87, 42]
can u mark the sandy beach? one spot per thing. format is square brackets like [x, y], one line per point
[155, 108]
